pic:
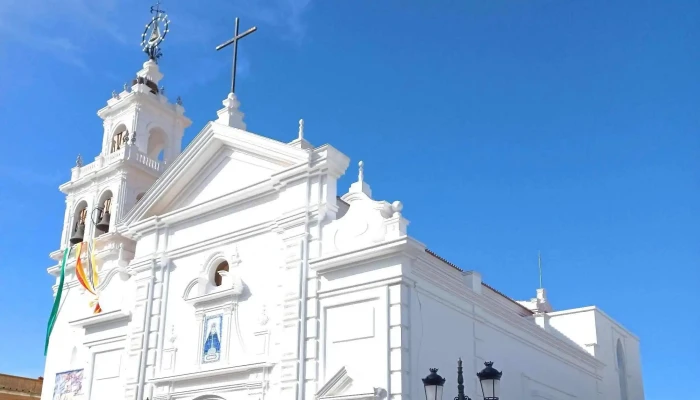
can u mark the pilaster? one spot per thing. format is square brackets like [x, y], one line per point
[400, 374]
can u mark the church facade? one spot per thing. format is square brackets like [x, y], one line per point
[237, 269]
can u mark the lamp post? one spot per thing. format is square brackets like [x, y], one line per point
[490, 379]
[433, 385]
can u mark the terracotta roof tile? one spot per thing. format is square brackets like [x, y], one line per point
[19, 384]
[483, 283]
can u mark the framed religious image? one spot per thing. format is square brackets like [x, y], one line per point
[211, 348]
[69, 385]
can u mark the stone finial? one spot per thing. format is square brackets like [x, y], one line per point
[230, 115]
[178, 101]
[79, 161]
[361, 186]
[115, 95]
[301, 129]
[396, 208]
[126, 87]
[162, 90]
[126, 137]
[133, 138]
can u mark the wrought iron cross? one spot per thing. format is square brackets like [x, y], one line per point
[234, 41]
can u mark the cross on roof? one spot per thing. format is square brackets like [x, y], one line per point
[234, 41]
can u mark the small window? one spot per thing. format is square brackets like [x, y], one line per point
[222, 267]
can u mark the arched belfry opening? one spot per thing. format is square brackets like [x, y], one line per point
[621, 369]
[119, 138]
[218, 279]
[104, 214]
[78, 223]
[157, 142]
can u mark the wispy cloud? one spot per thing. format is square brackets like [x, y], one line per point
[286, 15]
[59, 27]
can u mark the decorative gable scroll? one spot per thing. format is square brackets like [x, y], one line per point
[342, 387]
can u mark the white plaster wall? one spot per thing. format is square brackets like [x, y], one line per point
[579, 327]
[442, 333]
[260, 262]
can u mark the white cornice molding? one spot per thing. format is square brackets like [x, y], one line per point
[101, 318]
[434, 277]
[198, 375]
[256, 191]
[135, 99]
[349, 259]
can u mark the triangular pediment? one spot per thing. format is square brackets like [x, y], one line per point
[342, 386]
[220, 160]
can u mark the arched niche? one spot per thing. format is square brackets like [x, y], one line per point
[621, 369]
[119, 138]
[104, 216]
[157, 143]
[77, 231]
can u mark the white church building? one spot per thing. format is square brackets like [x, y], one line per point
[237, 269]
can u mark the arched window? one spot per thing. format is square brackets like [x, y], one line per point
[156, 144]
[78, 223]
[105, 213]
[223, 266]
[119, 139]
[621, 370]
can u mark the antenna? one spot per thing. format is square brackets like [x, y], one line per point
[539, 266]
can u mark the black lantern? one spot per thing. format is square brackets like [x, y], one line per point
[433, 385]
[490, 378]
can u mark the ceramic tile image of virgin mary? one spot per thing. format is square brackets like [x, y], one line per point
[211, 351]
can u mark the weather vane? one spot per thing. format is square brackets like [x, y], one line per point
[155, 32]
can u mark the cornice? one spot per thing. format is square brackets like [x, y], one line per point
[349, 259]
[195, 375]
[434, 277]
[136, 99]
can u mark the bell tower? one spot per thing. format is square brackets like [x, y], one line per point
[142, 135]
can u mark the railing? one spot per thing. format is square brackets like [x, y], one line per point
[128, 152]
[148, 161]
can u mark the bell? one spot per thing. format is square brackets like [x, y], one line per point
[78, 234]
[103, 225]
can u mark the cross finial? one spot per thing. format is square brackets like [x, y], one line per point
[156, 9]
[301, 129]
[234, 41]
[361, 174]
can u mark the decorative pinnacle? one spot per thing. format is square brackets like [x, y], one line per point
[361, 174]
[178, 101]
[133, 138]
[79, 161]
[301, 129]
[126, 87]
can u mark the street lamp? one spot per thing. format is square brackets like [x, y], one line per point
[433, 385]
[490, 379]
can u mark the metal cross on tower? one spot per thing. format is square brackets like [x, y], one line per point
[234, 41]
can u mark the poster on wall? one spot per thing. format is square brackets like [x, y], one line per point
[69, 385]
[211, 351]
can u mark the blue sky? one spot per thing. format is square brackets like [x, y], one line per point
[505, 127]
